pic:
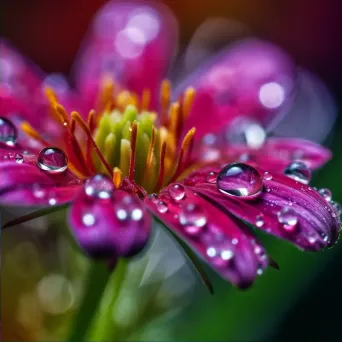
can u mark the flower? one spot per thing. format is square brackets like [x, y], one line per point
[137, 154]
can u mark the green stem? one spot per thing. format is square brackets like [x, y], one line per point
[103, 326]
[98, 276]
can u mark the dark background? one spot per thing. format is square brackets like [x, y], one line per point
[303, 301]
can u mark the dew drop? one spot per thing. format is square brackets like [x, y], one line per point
[259, 221]
[99, 186]
[211, 178]
[8, 132]
[220, 255]
[288, 218]
[177, 192]
[326, 194]
[53, 160]
[154, 198]
[239, 180]
[192, 219]
[88, 219]
[267, 176]
[298, 171]
[162, 207]
[19, 158]
[337, 206]
[52, 201]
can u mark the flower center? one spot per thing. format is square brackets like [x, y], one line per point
[123, 138]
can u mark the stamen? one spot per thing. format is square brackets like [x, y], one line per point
[189, 96]
[174, 119]
[161, 168]
[117, 177]
[185, 145]
[145, 99]
[31, 132]
[133, 142]
[105, 97]
[51, 95]
[62, 114]
[91, 120]
[150, 150]
[77, 118]
[126, 98]
[165, 99]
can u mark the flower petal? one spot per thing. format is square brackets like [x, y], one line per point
[110, 227]
[313, 221]
[252, 78]
[219, 238]
[131, 41]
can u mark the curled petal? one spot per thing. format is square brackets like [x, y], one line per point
[284, 208]
[132, 42]
[252, 78]
[110, 227]
[219, 238]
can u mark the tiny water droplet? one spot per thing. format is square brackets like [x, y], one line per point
[52, 201]
[259, 221]
[88, 219]
[337, 207]
[53, 160]
[177, 192]
[99, 186]
[211, 178]
[267, 176]
[220, 254]
[8, 132]
[19, 158]
[288, 218]
[239, 180]
[260, 271]
[326, 194]
[162, 207]
[235, 241]
[154, 198]
[192, 219]
[298, 171]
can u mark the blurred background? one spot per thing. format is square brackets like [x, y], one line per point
[302, 300]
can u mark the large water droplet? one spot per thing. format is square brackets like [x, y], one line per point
[99, 186]
[8, 132]
[53, 160]
[246, 131]
[211, 178]
[288, 218]
[298, 171]
[192, 219]
[177, 192]
[240, 180]
[162, 207]
[326, 194]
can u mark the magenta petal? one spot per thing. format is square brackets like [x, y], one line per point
[252, 78]
[219, 238]
[110, 227]
[285, 208]
[132, 41]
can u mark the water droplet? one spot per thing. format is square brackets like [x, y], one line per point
[246, 131]
[52, 201]
[267, 176]
[162, 207]
[235, 241]
[259, 221]
[99, 186]
[8, 132]
[260, 271]
[53, 160]
[337, 207]
[288, 218]
[240, 180]
[154, 198]
[220, 255]
[192, 218]
[326, 194]
[88, 219]
[298, 171]
[177, 192]
[19, 158]
[211, 178]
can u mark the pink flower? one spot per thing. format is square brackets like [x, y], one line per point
[137, 154]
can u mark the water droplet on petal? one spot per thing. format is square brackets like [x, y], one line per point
[259, 221]
[288, 218]
[298, 171]
[240, 180]
[267, 176]
[88, 219]
[326, 194]
[162, 207]
[211, 178]
[8, 132]
[177, 192]
[154, 198]
[99, 186]
[53, 160]
[52, 201]
[19, 158]
[220, 254]
[337, 206]
[192, 219]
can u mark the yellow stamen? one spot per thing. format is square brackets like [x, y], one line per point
[51, 95]
[126, 98]
[105, 97]
[62, 114]
[91, 120]
[174, 119]
[165, 97]
[31, 132]
[133, 142]
[189, 96]
[161, 168]
[145, 99]
[117, 177]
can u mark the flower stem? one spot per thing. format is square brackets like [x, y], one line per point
[98, 276]
[103, 326]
